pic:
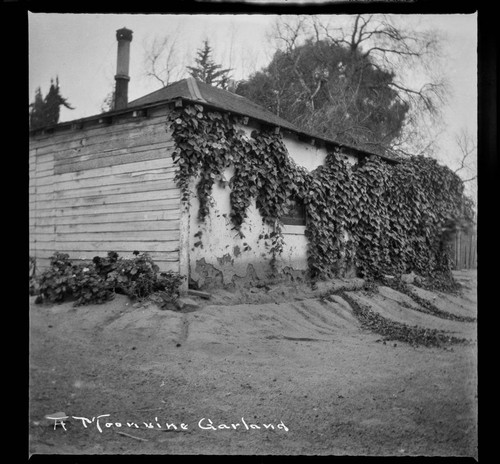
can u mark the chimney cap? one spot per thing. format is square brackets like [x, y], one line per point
[124, 34]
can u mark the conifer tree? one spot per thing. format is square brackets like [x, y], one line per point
[46, 111]
[206, 70]
[37, 110]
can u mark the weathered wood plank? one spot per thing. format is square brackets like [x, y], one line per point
[135, 187]
[93, 131]
[42, 159]
[105, 246]
[136, 226]
[139, 136]
[147, 135]
[45, 201]
[167, 173]
[164, 147]
[45, 177]
[128, 236]
[133, 167]
[133, 206]
[99, 163]
[44, 168]
[141, 216]
[157, 116]
[41, 230]
[108, 199]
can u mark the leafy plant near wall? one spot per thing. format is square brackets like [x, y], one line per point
[99, 280]
[208, 142]
[381, 218]
[203, 150]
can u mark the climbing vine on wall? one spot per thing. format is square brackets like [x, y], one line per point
[381, 218]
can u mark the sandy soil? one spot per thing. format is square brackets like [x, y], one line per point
[270, 358]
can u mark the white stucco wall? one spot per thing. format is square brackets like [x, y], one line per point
[218, 256]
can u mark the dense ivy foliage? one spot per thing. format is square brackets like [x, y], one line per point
[380, 218]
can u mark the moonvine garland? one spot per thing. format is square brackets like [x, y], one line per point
[395, 217]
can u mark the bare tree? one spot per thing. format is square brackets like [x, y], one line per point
[466, 162]
[375, 41]
[162, 61]
[467, 147]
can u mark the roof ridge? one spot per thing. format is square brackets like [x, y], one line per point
[194, 90]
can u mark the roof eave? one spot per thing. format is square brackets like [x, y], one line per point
[108, 114]
[197, 100]
[295, 130]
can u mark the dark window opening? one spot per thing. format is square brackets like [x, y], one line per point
[296, 214]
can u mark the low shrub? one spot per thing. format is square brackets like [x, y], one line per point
[55, 283]
[100, 280]
[88, 287]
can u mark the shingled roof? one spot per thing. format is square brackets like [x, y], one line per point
[199, 92]
[196, 91]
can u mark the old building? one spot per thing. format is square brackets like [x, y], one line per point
[106, 183]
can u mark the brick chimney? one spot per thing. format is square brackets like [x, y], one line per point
[124, 37]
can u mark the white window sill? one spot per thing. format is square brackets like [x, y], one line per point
[293, 230]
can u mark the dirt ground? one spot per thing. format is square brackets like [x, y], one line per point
[275, 371]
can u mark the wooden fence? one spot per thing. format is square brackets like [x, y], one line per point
[464, 250]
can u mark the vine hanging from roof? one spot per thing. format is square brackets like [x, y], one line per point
[381, 218]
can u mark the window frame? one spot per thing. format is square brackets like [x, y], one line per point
[296, 219]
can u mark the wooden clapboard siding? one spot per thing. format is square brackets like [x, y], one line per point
[86, 148]
[116, 189]
[58, 139]
[105, 188]
[112, 146]
[109, 190]
[171, 206]
[124, 178]
[137, 225]
[130, 156]
[135, 167]
[104, 199]
[120, 219]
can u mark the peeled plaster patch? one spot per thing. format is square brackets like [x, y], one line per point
[248, 279]
[210, 276]
[226, 259]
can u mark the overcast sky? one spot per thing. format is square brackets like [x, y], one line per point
[81, 50]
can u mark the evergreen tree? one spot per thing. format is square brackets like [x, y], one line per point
[354, 83]
[46, 111]
[206, 70]
[37, 110]
[330, 90]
